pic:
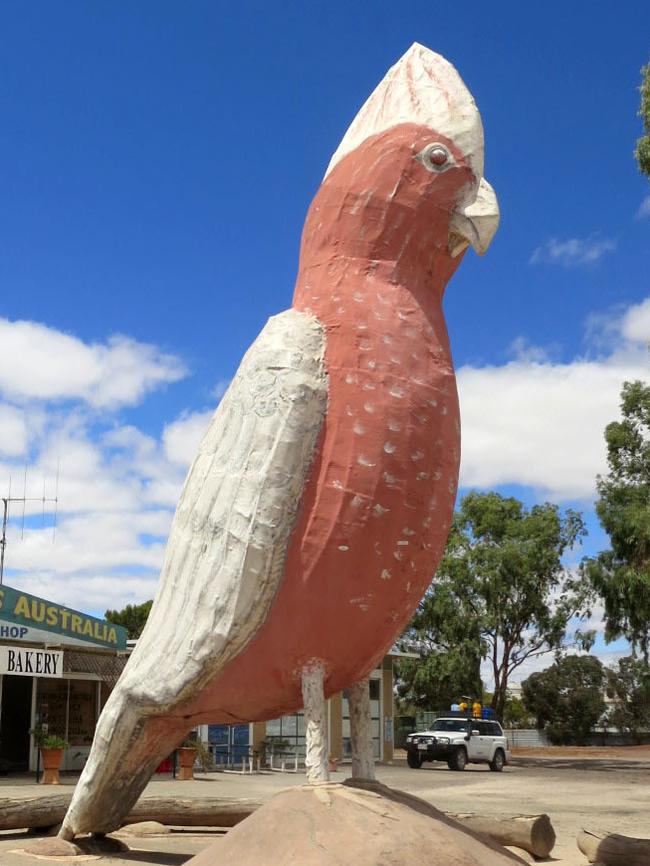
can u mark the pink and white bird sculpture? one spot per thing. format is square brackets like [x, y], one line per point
[318, 506]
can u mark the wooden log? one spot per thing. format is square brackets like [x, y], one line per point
[612, 849]
[533, 833]
[41, 812]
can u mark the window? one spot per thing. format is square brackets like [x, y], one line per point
[290, 729]
[453, 725]
[230, 741]
[68, 708]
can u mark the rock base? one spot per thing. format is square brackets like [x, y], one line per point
[365, 823]
[143, 828]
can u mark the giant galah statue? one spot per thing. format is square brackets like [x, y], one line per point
[318, 506]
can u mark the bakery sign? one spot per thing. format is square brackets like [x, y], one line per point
[25, 662]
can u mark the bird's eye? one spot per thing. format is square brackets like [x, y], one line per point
[436, 157]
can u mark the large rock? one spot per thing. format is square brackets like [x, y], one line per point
[46, 848]
[337, 825]
[142, 828]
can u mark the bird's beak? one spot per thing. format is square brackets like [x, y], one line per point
[475, 224]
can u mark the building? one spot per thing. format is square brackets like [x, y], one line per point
[288, 732]
[57, 667]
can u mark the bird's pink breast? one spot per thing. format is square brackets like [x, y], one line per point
[376, 510]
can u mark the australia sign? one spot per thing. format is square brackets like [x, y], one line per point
[27, 617]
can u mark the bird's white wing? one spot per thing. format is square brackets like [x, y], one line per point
[228, 540]
[223, 564]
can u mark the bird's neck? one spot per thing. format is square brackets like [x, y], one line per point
[353, 246]
[361, 305]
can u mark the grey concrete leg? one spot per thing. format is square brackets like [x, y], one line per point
[363, 762]
[316, 759]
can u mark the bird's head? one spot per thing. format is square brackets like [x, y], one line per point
[406, 182]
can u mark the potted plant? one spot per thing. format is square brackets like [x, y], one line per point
[191, 750]
[267, 747]
[333, 763]
[52, 748]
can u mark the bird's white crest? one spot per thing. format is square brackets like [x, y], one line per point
[422, 88]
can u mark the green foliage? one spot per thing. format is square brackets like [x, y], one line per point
[45, 740]
[629, 687]
[621, 576]
[271, 745]
[515, 713]
[501, 592]
[133, 617]
[203, 756]
[439, 678]
[642, 152]
[567, 698]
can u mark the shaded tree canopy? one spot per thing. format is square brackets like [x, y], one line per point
[567, 698]
[621, 575]
[628, 686]
[642, 152]
[501, 592]
[133, 617]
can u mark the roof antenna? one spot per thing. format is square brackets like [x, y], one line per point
[56, 498]
[22, 526]
[8, 499]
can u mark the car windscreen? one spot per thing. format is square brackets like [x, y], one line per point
[449, 725]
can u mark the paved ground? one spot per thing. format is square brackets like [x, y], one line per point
[601, 792]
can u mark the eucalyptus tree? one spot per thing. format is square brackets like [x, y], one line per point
[621, 575]
[502, 592]
[642, 152]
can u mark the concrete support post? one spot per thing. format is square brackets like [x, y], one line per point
[363, 762]
[316, 759]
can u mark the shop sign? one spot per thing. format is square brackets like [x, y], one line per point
[20, 610]
[31, 662]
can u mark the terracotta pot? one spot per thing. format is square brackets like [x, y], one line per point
[333, 765]
[52, 759]
[186, 759]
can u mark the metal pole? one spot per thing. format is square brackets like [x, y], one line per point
[5, 511]
[3, 540]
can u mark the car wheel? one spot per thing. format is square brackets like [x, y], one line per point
[498, 761]
[458, 760]
[413, 760]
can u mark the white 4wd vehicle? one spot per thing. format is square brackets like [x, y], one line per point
[459, 741]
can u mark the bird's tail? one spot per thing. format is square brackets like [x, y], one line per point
[129, 744]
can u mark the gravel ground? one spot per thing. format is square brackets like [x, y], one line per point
[598, 792]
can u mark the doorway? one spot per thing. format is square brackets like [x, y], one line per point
[15, 722]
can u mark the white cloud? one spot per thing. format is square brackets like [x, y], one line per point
[181, 438]
[539, 423]
[644, 208]
[95, 592]
[531, 421]
[574, 251]
[526, 352]
[220, 388]
[635, 323]
[13, 431]
[41, 363]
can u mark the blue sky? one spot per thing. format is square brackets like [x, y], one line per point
[158, 160]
